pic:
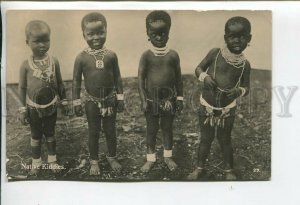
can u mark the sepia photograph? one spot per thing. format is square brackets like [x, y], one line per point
[138, 95]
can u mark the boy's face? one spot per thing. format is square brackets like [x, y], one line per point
[95, 34]
[39, 42]
[158, 33]
[237, 38]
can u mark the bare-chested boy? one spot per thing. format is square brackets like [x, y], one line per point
[160, 87]
[226, 75]
[41, 88]
[104, 91]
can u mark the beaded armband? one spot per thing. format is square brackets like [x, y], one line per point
[243, 91]
[202, 76]
[22, 110]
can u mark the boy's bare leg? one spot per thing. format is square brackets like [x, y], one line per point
[207, 137]
[109, 127]
[166, 127]
[36, 156]
[52, 161]
[224, 138]
[94, 123]
[152, 129]
[36, 128]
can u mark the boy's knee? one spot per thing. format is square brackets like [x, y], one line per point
[225, 140]
[109, 131]
[206, 139]
[94, 132]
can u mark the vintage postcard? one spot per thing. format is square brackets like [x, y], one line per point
[137, 95]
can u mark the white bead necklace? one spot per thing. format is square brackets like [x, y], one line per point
[42, 69]
[160, 51]
[98, 55]
[236, 60]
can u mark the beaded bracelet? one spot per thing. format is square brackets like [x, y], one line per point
[22, 110]
[120, 96]
[202, 76]
[76, 102]
[64, 102]
[243, 91]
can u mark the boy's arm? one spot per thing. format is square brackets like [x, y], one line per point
[178, 84]
[60, 83]
[206, 62]
[178, 79]
[118, 85]
[76, 87]
[142, 80]
[77, 78]
[23, 84]
[201, 69]
[117, 77]
[23, 114]
[244, 86]
[245, 80]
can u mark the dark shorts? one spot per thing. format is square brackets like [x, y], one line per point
[41, 125]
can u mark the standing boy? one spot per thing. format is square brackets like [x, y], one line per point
[104, 91]
[226, 76]
[160, 87]
[40, 88]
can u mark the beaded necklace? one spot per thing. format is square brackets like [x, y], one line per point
[236, 60]
[160, 51]
[98, 55]
[42, 69]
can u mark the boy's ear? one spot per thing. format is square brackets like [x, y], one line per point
[249, 38]
[225, 38]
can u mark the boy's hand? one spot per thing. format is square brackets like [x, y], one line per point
[234, 93]
[65, 110]
[65, 107]
[120, 106]
[144, 106]
[23, 117]
[179, 105]
[78, 110]
[209, 83]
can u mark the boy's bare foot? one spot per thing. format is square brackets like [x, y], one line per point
[195, 174]
[114, 164]
[230, 175]
[35, 166]
[94, 170]
[55, 168]
[170, 163]
[34, 171]
[147, 166]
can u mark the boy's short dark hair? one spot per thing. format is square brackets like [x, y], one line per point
[241, 20]
[35, 25]
[158, 15]
[93, 17]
